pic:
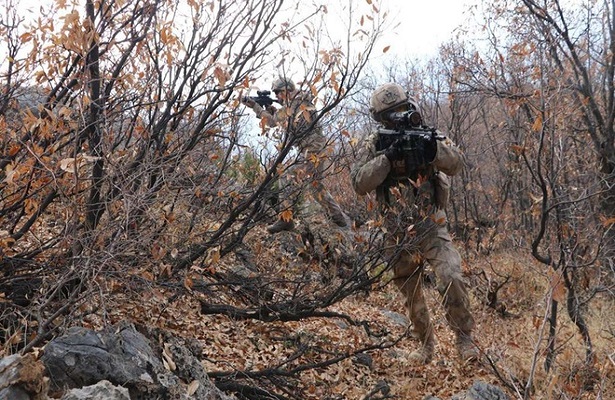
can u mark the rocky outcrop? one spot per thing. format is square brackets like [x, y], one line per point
[103, 390]
[117, 363]
[22, 378]
[126, 363]
[478, 391]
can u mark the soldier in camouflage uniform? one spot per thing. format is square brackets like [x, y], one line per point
[296, 116]
[412, 203]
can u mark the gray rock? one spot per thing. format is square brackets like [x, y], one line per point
[83, 357]
[103, 390]
[363, 359]
[126, 358]
[14, 393]
[482, 391]
[22, 378]
[396, 318]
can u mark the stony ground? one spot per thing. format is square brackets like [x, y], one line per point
[509, 340]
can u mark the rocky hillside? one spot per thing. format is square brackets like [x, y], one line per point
[355, 348]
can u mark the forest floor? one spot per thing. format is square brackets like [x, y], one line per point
[511, 337]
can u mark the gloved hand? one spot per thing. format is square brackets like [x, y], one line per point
[248, 102]
[423, 153]
[271, 109]
[395, 151]
[397, 158]
[431, 148]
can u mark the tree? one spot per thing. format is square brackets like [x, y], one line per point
[126, 168]
[541, 75]
[580, 45]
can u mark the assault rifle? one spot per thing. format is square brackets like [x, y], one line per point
[262, 98]
[417, 141]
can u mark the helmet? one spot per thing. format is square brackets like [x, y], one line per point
[388, 97]
[283, 83]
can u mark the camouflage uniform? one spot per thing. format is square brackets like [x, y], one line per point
[416, 231]
[295, 116]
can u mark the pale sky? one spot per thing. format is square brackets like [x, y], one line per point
[417, 30]
[424, 24]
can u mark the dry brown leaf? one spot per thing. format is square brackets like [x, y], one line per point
[167, 358]
[192, 387]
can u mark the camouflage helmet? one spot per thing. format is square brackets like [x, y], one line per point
[387, 97]
[282, 83]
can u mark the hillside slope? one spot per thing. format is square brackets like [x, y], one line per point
[366, 333]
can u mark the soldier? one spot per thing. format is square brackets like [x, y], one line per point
[412, 188]
[296, 116]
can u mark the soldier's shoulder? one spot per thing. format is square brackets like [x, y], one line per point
[304, 98]
[368, 140]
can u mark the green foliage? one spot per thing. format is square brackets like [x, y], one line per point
[250, 168]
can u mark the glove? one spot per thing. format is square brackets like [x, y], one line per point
[397, 158]
[271, 110]
[431, 148]
[395, 151]
[423, 152]
[248, 102]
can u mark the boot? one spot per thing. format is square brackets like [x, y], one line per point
[423, 354]
[280, 226]
[468, 352]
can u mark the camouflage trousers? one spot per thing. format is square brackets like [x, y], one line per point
[435, 246]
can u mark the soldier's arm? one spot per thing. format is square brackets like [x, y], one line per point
[370, 169]
[449, 159]
[302, 116]
[265, 115]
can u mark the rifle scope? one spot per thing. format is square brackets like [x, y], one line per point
[408, 118]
